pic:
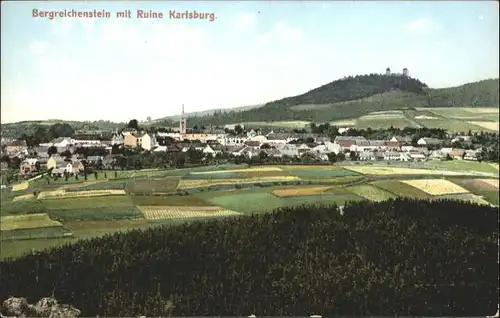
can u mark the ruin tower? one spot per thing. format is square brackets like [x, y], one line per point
[182, 123]
[405, 72]
[388, 72]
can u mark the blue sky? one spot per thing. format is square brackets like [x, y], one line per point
[254, 52]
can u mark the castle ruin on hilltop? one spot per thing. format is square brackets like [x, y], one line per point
[405, 73]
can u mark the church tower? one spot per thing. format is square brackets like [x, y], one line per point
[182, 124]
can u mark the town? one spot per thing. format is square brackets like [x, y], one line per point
[134, 147]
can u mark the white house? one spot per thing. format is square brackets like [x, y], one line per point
[117, 140]
[213, 150]
[259, 138]
[160, 149]
[407, 148]
[231, 140]
[251, 133]
[446, 151]
[289, 150]
[62, 142]
[146, 142]
[366, 156]
[392, 155]
[428, 141]
[417, 156]
[68, 168]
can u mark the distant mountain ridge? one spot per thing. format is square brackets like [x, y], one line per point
[354, 96]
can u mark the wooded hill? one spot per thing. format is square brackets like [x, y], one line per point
[393, 258]
[352, 97]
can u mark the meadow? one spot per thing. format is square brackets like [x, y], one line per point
[64, 213]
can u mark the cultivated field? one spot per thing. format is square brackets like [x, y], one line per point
[190, 184]
[65, 212]
[295, 192]
[400, 189]
[385, 119]
[27, 221]
[380, 170]
[20, 186]
[459, 119]
[78, 194]
[486, 124]
[254, 169]
[183, 212]
[436, 186]
[371, 192]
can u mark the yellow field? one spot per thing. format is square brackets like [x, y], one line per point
[313, 167]
[181, 212]
[485, 124]
[22, 197]
[492, 182]
[78, 194]
[481, 110]
[238, 170]
[20, 186]
[189, 184]
[346, 122]
[391, 171]
[27, 221]
[436, 186]
[296, 192]
[78, 185]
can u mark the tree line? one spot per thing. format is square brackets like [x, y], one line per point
[400, 257]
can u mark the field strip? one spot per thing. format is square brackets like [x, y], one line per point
[27, 221]
[182, 212]
[494, 165]
[436, 186]
[258, 169]
[189, 184]
[485, 124]
[481, 110]
[296, 192]
[23, 197]
[491, 182]
[78, 194]
[383, 170]
[20, 186]
[79, 185]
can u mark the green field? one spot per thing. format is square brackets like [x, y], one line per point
[371, 192]
[400, 189]
[87, 217]
[488, 193]
[320, 173]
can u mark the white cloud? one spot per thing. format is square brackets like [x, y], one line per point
[244, 22]
[481, 17]
[418, 26]
[154, 40]
[62, 27]
[281, 32]
[39, 48]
